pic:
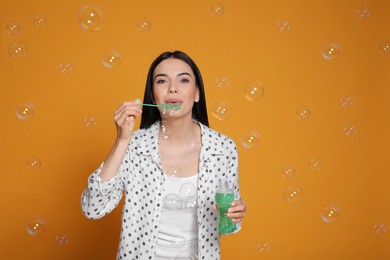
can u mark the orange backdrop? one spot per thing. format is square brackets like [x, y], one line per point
[344, 124]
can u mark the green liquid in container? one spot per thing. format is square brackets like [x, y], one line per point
[224, 197]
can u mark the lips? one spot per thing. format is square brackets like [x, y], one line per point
[173, 101]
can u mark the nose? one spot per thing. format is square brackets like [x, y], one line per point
[172, 88]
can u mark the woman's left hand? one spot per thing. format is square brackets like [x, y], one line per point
[237, 210]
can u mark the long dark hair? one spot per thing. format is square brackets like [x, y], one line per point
[151, 114]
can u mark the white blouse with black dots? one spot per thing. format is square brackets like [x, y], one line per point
[141, 178]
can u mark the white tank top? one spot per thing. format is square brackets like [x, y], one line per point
[178, 233]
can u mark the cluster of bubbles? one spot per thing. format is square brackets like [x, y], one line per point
[222, 81]
[37, 226]
[363, 13]
[65, 67]
[380, 228]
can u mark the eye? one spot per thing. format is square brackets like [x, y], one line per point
[161, 81]
[184, 80]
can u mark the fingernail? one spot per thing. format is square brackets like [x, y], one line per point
[138, 100]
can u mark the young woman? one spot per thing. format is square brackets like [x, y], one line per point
[168, 170]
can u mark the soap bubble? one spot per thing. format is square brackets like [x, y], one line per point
[186, 256]
[13, 27]
[330, 214]
[350, 130]
[111, 59]
[380, 228]
[35, 226]
[217, 9]
[222, 110]
[363, 13]
[25, 111]
[164, 132]
[263, 247]
[40, 20]
[90, 18]
[250, 139]
[178, 241]
[222, 81]
[89, 121]
[346, 101]
[174, 173]
[303, 112]
[288, 171]
[143, 25]
[65, 67]
[284, 26]
[172, 201]
[193, 144]
[330, 51]
[315, 164]
[189, 204]
[33, 163]
[187, 190]
[292, 194]
[17, 50]
[384, 47]
[253, 90]
[62, 239]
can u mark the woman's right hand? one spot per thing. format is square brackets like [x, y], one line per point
[124, 118]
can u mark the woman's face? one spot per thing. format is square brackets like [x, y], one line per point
[174, 83]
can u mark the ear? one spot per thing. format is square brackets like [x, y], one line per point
[197, 95]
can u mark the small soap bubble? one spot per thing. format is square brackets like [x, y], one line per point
[292, 193]
[164, 132]
[62, 239]
[330, 214]
[330, 51]
[17, 50]
[36, 226]
[65, 67]
[40, 20]
[143, 25]
[253, 90]
[284, 26]
[315, 164]
[174, 173]
[34, 163]
[172, 201]
[380, 228]
[13, 27]
[303, 113]
[350, 130]
[186, 256]
[222, 110]
[363, 13]
[250, 139]
[178, 241]
[346, 101]
[25, 111]
[193, 144]
[222, 81]
[89, 121]
[263, 247]
[384, 47]
[217, 9]
[90, 18]
[187, 190]
[189, 204]
[111, 59]
[288, 171]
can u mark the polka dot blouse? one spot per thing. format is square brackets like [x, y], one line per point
[140, 179]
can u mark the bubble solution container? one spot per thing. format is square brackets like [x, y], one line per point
[224, 197]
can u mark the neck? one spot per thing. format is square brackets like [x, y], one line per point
[180, 130]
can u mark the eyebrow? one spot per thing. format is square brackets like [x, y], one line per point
[165, 75]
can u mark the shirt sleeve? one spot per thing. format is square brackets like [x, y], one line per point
[101, 197]
[233, 178]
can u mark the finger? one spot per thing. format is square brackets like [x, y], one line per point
[215, 207]
[238, 208]
[134, 103]
[237, 202]
[237, 215]
[127, 111]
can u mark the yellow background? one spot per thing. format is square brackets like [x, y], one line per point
[244, 44]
